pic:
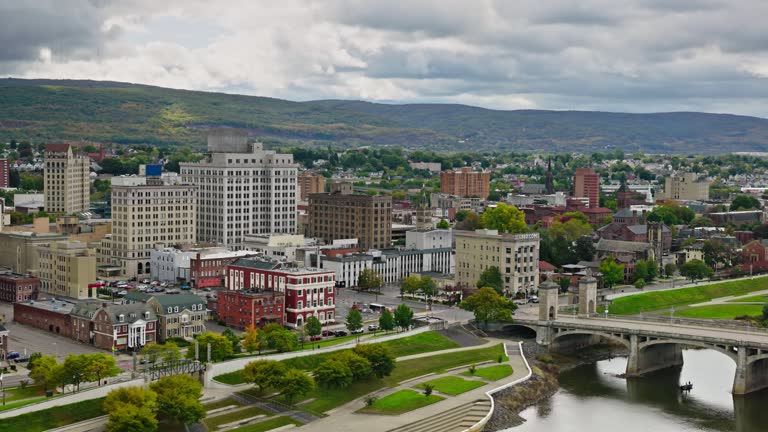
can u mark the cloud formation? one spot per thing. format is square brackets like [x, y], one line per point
[632, 55]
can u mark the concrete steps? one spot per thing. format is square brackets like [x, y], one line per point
[455, 420]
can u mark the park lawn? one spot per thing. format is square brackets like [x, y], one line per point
[55, 417]
[723, 311]
[452, 385]
[215, 421]
[492, 373]
[267, 425]
[400, 402]
[221, 404]
[751, 299]
[328, 341]
[18, 393]
[656, 300]
[21, 403]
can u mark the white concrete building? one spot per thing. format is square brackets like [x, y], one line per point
[242, 189]
[169, 264]
[431, 239]
[66, 182]
[280, 247]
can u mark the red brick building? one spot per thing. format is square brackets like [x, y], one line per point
[16, 287]
[754, 256]
[126, 327]
[5, 173]
[209, 270]
[242, 308]
[308, 292]
[466, 183]
[586, 183]
[49, 315]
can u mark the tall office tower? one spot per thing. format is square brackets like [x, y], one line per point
[66, 182]
[310, 183]
[586, 183]
[466, 183]
[147, 211]
[5, 172]
[342, 215]
[242, 189]
[686, 187]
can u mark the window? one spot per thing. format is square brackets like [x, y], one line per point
[170, 309]
[121, 318]
[176, 309]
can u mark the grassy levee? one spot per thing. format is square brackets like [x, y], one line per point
[55, 417]
[400, 402]
[492, 373]
[659, 300]
[722, 311]
[751, 299]
[452, 385]
[267, 425]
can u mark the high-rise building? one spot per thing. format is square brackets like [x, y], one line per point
[242, 189]
[466, 183]
[310, 183]
[341, 215]
[515, 255]
[147, 211]
[586, 184]
[686, 187]
[67, 268]
[5, 172]
[66, 181]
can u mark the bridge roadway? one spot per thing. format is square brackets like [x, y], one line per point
[655, 343]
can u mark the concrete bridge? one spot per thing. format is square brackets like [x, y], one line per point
[652, 345]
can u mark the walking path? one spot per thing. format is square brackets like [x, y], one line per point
[635, 291]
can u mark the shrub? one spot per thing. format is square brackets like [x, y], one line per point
[499, 359]
[370, 400]
[428, 389]
[472, 369]
[640, 283]
[545, 358]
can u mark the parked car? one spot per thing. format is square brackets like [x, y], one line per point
[122, 293]
[521, 301]
[358, 331]
[145, 281]
[327, 333]
[340, 333]
[316, 338]
[22, 359]
[206, 289]
[373, 327]
[12, 355]
[533, 299]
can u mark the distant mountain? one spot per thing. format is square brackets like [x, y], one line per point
[47, 110]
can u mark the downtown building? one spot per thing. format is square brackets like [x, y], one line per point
[466, 183]
[242, 189]
[586, 184]
[66, 180]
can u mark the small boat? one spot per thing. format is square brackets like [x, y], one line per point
[686, 387]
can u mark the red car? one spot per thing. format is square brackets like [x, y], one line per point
[315, 338]
[327, 333]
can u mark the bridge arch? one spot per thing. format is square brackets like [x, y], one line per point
[645, 345]
[757, 358]
[609, 336]
[522, 330]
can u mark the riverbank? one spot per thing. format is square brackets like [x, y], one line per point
[544, 382]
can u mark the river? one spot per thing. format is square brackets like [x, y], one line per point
[592, 398]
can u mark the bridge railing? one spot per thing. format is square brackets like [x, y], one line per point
[719, 324]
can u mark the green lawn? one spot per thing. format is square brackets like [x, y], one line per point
[214, 422]
[221, 404]
[492, 373]
[55, 417]
[16, 404]
[400, 402]
[452, 385]
[17, 393]
[752, 299]
[657, 300]
[724, 311]
[267, 425]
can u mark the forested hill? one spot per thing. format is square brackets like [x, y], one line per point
[47, 110]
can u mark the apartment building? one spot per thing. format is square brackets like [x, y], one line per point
[515, 255]
[242, 189]
[465, 182]
[586, 184]
[66, 268]
[342, 215]
[5, 173]
[686, 187]
[15, 287]
[310, 183]
[243, 308]
[147, 211]
[66, 180]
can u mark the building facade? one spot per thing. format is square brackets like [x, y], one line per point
[586, 183]
[242, 308]
[179, 315]
[465, 183]
[209, 268]
[66, 180]
[66, 268]
[515, 255]
[15, 287]
[334, 216]
[5, 173]
[686, 187]
[124, 327]
[310, 183]
[242, 189]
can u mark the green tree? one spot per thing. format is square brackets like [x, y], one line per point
[386, 320]
[639, 283]
[313, 326]
[131, 409]
[264, 373]
[403, 316]
[653, 270]
[612, 272]
[641, 271]
[745, 202]
[584, 249]
[221, 347]
[469, 221]
[136, 396]
[488, 305]
[491, 277]
[358, 365]
[504, 218]
[411, 284]
[354, 320]
[669, 269]
[443, 224]
[233, 338]
[170, 352]
[178, 398]
[428, 288]
[571, 226]
[333, 373]
[696, 269]
[32, 359]
[369, 280]
[47, 372]
[381, 359]
[564, 283]
[251, 341]
[102, 366]
[280, 339]
[295, 383]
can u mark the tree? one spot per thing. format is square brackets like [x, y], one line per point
[504, 218]
[671, 213]
[369, 280]
[280, 339]
[571, 226]
[170, 352]
[428, 289]
[381, 359]
[488, 305]
[745, 202]
[669, 269]
[386, 320]
[233, 338]
[75, 369]
[221, 347]
[264, 373]
[696, 269]
[491, 277]
[469, 222]
[136, 396]
[46, 372]
[612, 272]
[640, 283]
[584, 249]
[251, 340]
[131, 409]
[443, 224]
[358, 365]
[564, 283]
[178, 398]
[354, 320]
[333, 373]
[102, 366]
[295, 383]
[32, 359]
[765, 312]
[411, 284]
[641, 271]
[313, 326]
[403, 316]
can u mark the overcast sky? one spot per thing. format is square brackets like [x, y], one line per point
[611, 55]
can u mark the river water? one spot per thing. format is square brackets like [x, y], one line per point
[592, 398]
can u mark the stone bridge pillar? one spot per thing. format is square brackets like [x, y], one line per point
[652, 358]
[740, 379]
[749, 377]
[587, 295]
[548, 300]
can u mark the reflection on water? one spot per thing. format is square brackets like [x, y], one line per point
[593, 398]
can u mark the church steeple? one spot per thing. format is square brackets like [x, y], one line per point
[623, 195]
[549, 185]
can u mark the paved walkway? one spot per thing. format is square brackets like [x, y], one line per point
[635, 291]
[345, 418]
[727, 299]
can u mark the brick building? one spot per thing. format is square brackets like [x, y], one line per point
[342, 215]
[586, 183]
[256, 307]
[125, 327]
[310, 183]
[52, 316]
[465, 183]
[15, 287]
[5, 172]
[209, 270]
